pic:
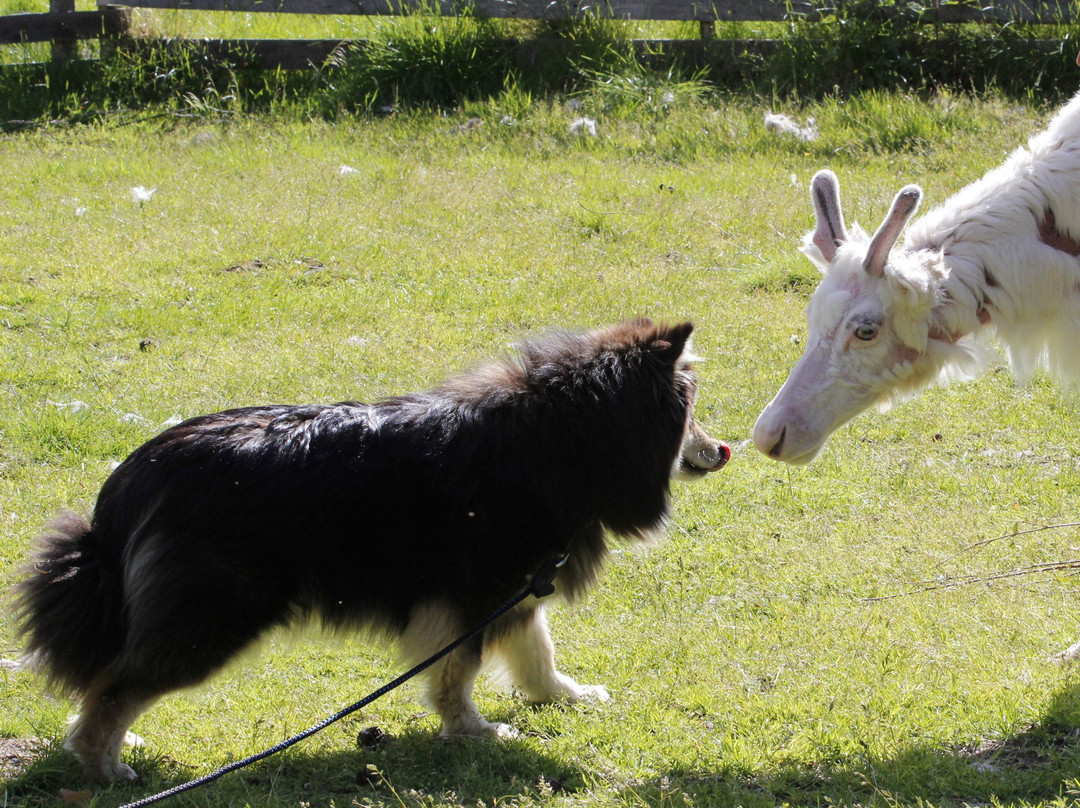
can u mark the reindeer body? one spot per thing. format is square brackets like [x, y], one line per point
[1009, 243]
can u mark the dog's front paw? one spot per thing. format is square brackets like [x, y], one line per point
[107, 770]
[566, 690]
[593, 693]
[1068, 656]
[487, 729]
[474, 726]
[122, 771]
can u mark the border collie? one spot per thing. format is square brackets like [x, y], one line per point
[414, 517]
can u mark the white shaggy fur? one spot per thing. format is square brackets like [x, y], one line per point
[1001, 255]
[524, 657]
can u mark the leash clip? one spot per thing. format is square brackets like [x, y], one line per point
[541, 584]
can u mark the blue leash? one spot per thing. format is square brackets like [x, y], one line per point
[540, 586]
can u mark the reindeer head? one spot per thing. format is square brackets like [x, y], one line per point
[869, 327]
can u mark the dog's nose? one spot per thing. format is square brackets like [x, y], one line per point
[724, 453]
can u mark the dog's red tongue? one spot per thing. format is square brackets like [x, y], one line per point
[725, 456]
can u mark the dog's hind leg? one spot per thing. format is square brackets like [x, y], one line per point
[122, 692]
[521, 643]
[450, 680]
[97, 735]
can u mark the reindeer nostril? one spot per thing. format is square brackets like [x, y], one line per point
[778, 447]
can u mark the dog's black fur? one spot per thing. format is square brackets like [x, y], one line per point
[416, 516]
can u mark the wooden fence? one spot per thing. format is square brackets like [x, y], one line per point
[64, 27]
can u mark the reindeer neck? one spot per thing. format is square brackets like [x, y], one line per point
[963, 288]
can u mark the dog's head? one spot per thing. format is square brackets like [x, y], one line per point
[701, 453]
[665, 354]
[595, 423]
[613, 408]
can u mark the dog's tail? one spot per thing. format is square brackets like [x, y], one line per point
[70, 605]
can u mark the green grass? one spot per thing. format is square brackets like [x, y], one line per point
[748, 662]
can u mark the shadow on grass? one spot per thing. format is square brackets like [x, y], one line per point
[462, 770]
[1039, 762]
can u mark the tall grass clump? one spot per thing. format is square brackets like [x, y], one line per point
[424, 59]
[889, 48]
[434, 61]
[571, 53]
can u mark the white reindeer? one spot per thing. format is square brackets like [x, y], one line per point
[1002, 254]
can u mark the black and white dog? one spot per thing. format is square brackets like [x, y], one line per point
[414, 517]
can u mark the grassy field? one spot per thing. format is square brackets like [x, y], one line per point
[750, 660]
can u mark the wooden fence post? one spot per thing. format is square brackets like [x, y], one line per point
[115, 23]
[64, 48]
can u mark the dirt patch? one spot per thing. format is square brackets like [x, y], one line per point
[17, 754]
[1034, 748]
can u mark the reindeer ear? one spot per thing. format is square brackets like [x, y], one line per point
[903, 206]
[829, 233]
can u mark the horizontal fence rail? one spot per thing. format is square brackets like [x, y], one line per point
[15, 28]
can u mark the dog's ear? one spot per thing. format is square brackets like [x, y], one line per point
[672, 340]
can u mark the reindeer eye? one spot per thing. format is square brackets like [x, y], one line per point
[866, 331]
